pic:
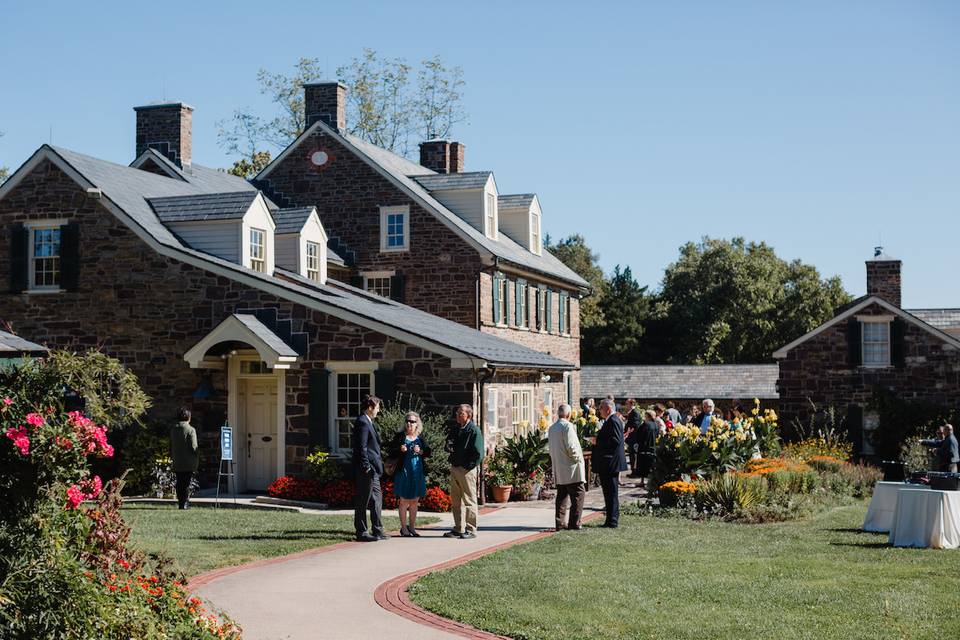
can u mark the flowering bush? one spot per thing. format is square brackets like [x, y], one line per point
[818, 446]
[322, 468]
[436, 500]
[587, 423]
[676, 493]
[291, 488]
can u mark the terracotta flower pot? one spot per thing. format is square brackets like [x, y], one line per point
[501, 493]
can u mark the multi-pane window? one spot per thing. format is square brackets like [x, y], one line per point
[539, 310]
[491, 216]
[258, 250]
[250, 367]
[313, 261]
[352, 388]
[500, 300]
[548, 311]
[520, 304]
[520, 410]
[378, 285]
[45, 258]
[535, 233]
[564, 313]
[394, 231]
[876, 344]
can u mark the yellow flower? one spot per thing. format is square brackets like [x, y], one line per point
[713, 445]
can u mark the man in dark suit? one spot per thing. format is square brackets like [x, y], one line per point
[946, 449]
[631, 432]
[368, 466]
[609, 460]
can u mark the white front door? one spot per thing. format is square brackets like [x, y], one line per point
[258, 414]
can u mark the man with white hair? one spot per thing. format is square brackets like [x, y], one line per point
[703, 420]
[609, 460]
[569, 470]
[947, 452]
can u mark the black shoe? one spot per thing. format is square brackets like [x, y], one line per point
[413, 532]
[381, 536]
[467, 535]
[453, 534]
[405, 533]
[366, 537]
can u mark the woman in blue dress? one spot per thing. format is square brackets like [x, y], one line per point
[410, 481]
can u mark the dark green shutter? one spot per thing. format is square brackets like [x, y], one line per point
[496, 300]
[70, 257]
[854, 425]
[383, 385]
[561, 309]
[897, 343]
[854, 344]
[19, 246]
[396, 287]
[517, 306]
[319, 408]
[356, 281]
[570, 399]
[548, 310]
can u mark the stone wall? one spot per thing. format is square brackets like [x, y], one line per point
[168, 128]
[504, 384]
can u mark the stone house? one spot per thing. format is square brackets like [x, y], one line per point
[241, 302]
[870, 349]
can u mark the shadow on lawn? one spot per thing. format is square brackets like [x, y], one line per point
[852, 530]
[292, 534]
[863, 545]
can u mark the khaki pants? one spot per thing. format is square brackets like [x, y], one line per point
[575, 492]
[463, 495]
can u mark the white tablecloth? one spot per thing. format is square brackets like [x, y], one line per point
[926, 519]
[879, 516]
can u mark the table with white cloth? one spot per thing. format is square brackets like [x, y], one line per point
[879, 518]
[927, 518]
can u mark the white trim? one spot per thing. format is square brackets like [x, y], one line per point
[337, 367]
[158, 159]
[32, 227]
[232, 329]
[233, 412]
[852, 311]
[385, 213]
[884, 318]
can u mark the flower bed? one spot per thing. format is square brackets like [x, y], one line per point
[339, 494]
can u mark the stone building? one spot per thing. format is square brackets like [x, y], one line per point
[242, 302]
[869, 349]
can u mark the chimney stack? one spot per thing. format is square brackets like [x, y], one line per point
[883, 277]
[166, 128]
[442, 156]
[325, 101]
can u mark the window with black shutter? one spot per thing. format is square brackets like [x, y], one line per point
[854, 346]
[318, 426]
[70, 256]
[898, 329]
[19, 269]
[396, 287]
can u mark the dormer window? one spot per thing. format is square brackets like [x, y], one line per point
[875, 342]
[490, 225]
[394, 229]
[313, 261]
[258, 250]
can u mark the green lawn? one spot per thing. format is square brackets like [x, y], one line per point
[198, 540]
[674, 578]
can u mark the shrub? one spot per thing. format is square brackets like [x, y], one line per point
[729, 493]
[143, 447]
[291, 488]
[915, 456]
[436, 500]
[390, 422]
[826, 464]
[676, 493]
[499, 470]
[338, 493]
[793, 481]
[322, 467]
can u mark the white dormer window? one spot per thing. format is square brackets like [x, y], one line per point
[258, 250]
[313, 261]
[535, 245]
[490, 224]
[875, 341]
[395, 228]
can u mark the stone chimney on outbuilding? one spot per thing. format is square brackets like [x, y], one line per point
[883, 277]
[442, 156]
[325, 101]
[166, 128]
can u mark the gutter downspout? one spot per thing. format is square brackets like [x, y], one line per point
[483, 377]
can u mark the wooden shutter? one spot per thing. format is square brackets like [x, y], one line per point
[517, 306]
[70, 257]
[854, 425]
[396, 287]
[897, 343]
[561, 309]
[570, 399]
[496, 300]
[548, 310]
[356, 281]
[318, 425]
[854, 343]
[383, 385]
[19, 266]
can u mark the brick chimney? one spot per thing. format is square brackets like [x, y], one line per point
[442, 156]
[325, 101]
[883, 277]
[166, 128]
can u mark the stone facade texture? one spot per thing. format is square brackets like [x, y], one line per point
[883, 280]
[504, 384]
[168, 129]
[326, 101]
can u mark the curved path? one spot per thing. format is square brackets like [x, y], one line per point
[357, 590]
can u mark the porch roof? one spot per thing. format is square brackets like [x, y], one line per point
[241, 327]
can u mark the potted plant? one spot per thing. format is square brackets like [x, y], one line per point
[528, 456]
[500, 476]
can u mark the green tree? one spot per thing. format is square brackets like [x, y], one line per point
[574, 252]
[247, 168]
[619, 338]
[730, 301]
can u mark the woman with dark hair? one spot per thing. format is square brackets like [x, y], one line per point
[183, 455]
[410, 481]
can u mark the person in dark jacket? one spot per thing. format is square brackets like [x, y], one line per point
[410, 451]
[945, 448]
[609, 460]
[368, 466]
[647, 445]
[183, 455]
[465, 446]
[630, 433]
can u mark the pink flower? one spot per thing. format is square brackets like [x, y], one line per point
[74, 497]
[35, 419]
[66, 443]
[92, 487]
[20, 440]
[7, 401]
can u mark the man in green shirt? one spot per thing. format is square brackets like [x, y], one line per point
[465, 445]
[183, 453]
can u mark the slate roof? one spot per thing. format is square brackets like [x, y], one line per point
[291, 220]
[463, 180]
[516, 201]
[263, 332]
[940, 318]
[203, 207]
[14, 344]
[734, 381]
[129, 189]
[206, 179]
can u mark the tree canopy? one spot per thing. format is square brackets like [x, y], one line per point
[575, 253]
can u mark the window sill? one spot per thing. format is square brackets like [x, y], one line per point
[394, 249]
[34, 292]
[874, 367]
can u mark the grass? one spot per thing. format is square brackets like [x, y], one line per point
[674, 578]
[198, 540]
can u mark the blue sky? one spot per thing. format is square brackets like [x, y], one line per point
[820, 127]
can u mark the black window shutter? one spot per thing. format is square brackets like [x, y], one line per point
[854, 346]
[496, 300]
[854, 424]
[383, 385]
[897, 344]
[19, 269]
[70, 256]
[318, 381]
[356, 281]
[396, 287]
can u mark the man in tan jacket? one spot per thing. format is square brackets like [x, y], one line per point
[569, 470]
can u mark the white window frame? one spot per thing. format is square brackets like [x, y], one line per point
[334, 421]
[548, 401]
[378, 275]
[490, 217]
[491, 410]
[504, 285]
[522, 297]
[536, 246]
[866, 321]
[32, 228]
[254, 258]
[312, 260]
[385, 213]
[521, 401]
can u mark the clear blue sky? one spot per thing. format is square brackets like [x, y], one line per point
[820, 127]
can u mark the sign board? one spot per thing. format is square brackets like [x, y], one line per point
[226, 442]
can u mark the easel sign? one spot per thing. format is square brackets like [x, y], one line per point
[226, 443]
[226, 462]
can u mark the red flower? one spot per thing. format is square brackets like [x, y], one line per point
[35, 420]
[20, 439]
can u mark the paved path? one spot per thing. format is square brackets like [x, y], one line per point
[329, 592]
